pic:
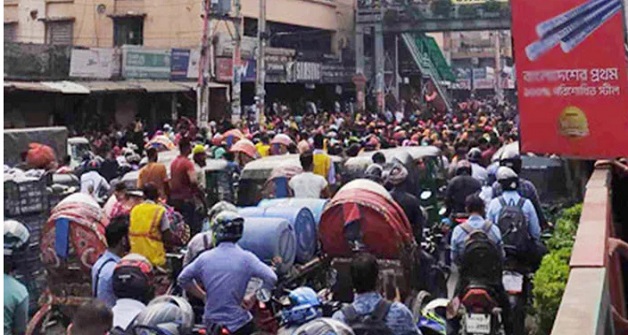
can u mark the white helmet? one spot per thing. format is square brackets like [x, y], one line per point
[16, 236]
[505, 173]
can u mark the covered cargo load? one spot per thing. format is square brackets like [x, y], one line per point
[16, 142]
[364, 216]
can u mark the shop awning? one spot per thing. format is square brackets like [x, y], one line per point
[110, 86]
[66, 87]
[28, 86]
[160, 86]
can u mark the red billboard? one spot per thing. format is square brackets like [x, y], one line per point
[571, 77]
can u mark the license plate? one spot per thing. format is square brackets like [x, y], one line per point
[513, 282]
[478, 323]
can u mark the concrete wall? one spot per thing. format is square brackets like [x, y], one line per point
[168, 23]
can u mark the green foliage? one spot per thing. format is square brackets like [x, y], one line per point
[551, 278]
[549, 285]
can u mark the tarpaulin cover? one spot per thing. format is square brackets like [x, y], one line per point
[16, 141]
[384, 227]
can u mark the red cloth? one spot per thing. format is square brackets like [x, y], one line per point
[40, 156]
[180, 184]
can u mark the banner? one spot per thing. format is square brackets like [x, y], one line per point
[194, 63]
[92, 63]
[571, 77]
[141, 63]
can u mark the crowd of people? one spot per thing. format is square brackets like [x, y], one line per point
[165, 209]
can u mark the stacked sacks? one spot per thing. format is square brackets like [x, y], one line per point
[300, 219]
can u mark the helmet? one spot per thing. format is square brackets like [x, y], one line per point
[220, 207]
[93, 165]
[165, 315]
[431, 320]
[507, 178]
[198, 149]
[463, 168]
[304, 307]
[512, 159]
[396, 174]
[374, 172]
[474, 155]
[133, 278]
[227, 226]
[324, 326]
[16, 237]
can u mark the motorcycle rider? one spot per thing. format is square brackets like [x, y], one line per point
[224, 273]
[133, 287]
[396, 177]
[477, 170]
[16, 301]
[364, 275]
[460, 187]
[525, 188]
[509, 183]
[460, 236]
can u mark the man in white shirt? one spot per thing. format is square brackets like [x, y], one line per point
[307, 184]
[93, 183]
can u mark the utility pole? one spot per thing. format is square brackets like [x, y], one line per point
[202, 93]
[498, 68]
[260, 91]
[236, 81]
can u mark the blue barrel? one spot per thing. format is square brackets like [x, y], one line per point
[268, 238]
[302, 222]
[252, 211]
[314, 205]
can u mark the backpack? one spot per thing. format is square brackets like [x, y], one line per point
[482, 258]
[514, 227]
[370, 324]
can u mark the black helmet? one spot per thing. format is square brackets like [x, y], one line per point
[133, 278]
[228, 226]
[474, 155]
[374, 172]
[511, 159]
[165, 315]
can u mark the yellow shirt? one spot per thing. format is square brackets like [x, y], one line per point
[322, 164]
[145, 233]
[262, 149]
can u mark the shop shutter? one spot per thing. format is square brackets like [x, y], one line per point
[59, 32]
[10, 32]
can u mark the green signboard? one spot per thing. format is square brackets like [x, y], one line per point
[142, 63]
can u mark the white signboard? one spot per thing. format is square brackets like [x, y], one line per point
[194, 63]
[92, 63]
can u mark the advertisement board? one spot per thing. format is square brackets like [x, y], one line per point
[92, 63]
[571, 77]
[179, 61]
[141, 63]
[307, 71]
[224, 70]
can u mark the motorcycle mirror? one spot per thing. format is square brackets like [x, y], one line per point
[442, 211]
[263, 295]
[426, 195]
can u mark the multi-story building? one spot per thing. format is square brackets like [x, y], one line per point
[316, 33]
[170, 23]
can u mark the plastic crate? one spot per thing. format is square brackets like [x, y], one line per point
[25, 197]
[35, 224]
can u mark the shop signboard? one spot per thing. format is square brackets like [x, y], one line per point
[194, 63]
[307, 71]
[571, 77]
[224, 70]
[179, 62]
[463, 79]
[97, 63]
[142, 63]
[336, 73]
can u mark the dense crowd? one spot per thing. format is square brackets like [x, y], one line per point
[163, 210]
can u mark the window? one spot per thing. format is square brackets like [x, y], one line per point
[10, 32]
[128, 30]
[59, 32]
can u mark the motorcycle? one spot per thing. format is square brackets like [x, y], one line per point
[480, 311]
[517, 281]
[433, 261]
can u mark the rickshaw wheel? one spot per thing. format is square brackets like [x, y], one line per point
[47, 321]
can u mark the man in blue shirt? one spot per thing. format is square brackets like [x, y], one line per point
[509, 182]
[475, 208]
[116, 234]
[224, 273]
[16, 301]
[364, 275]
